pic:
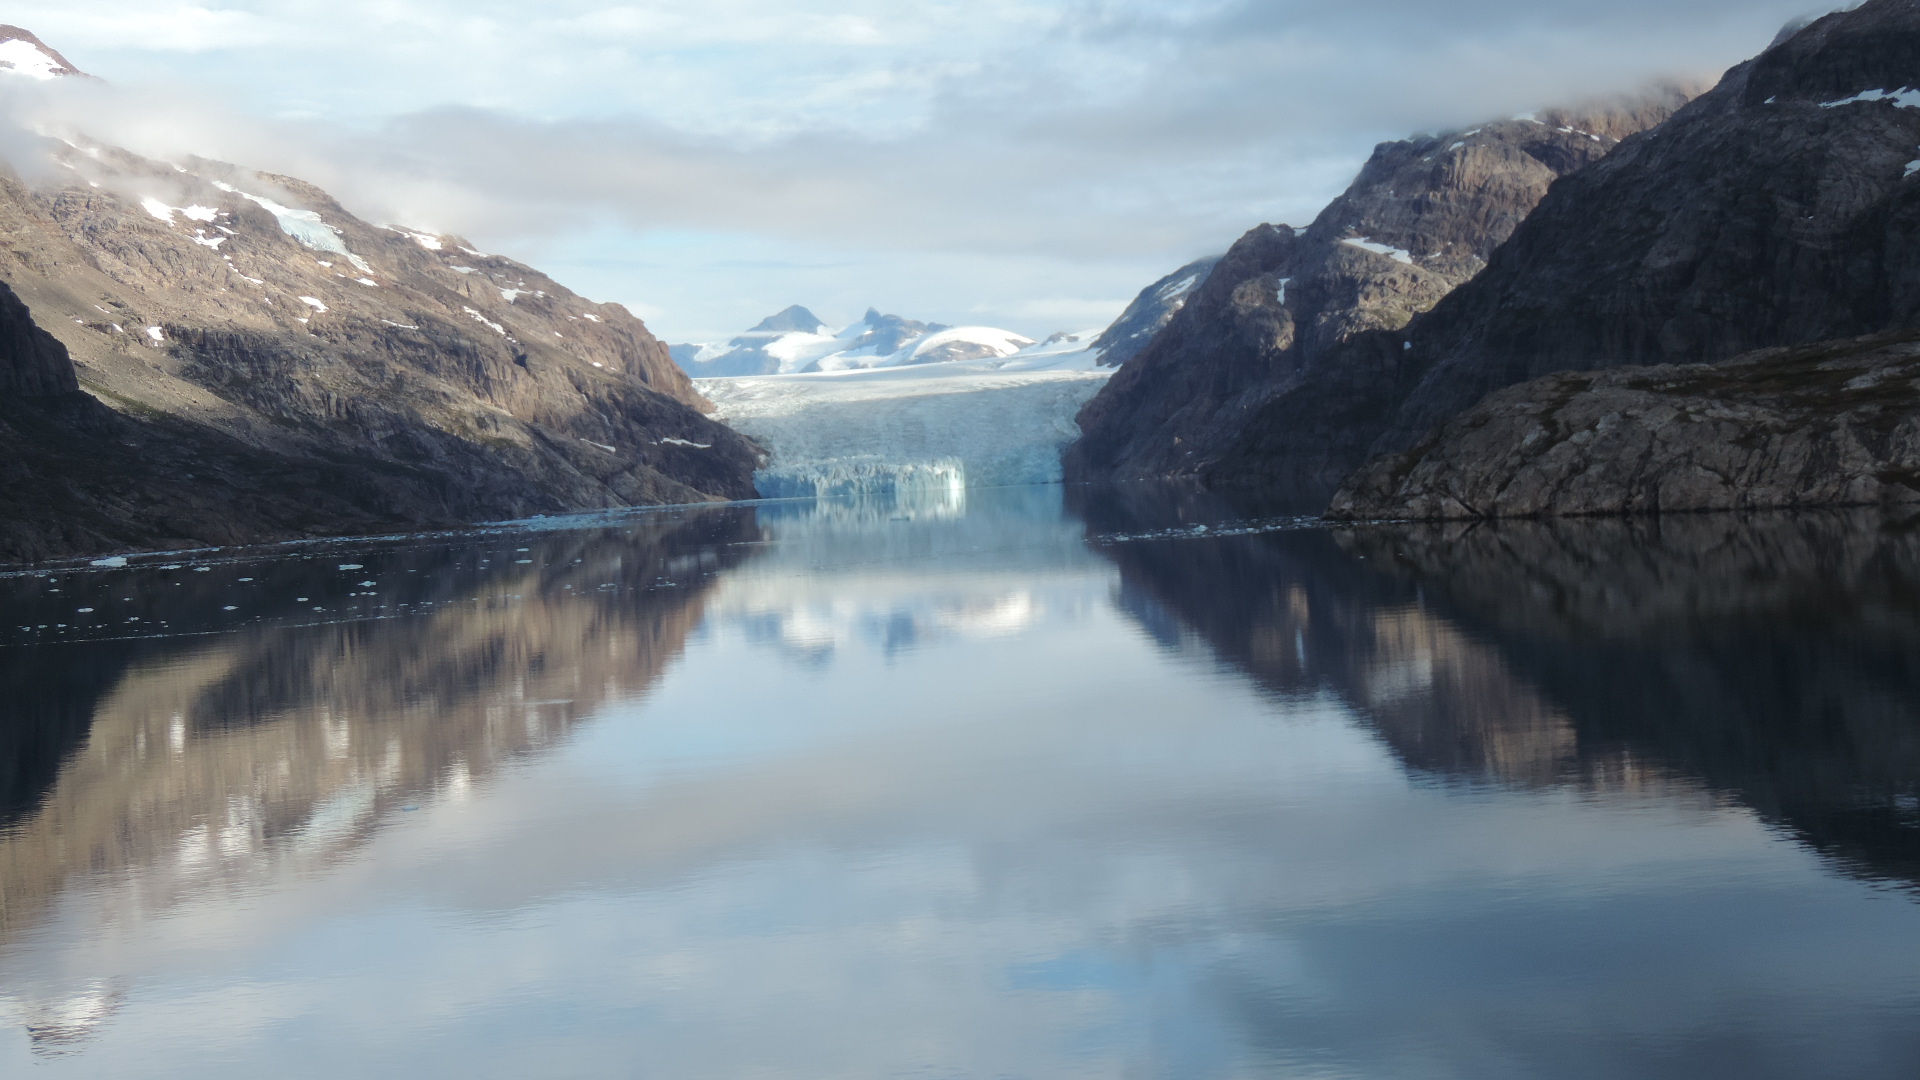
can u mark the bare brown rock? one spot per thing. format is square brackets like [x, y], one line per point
[260, 363]
[1829, 425]
[1423, 217]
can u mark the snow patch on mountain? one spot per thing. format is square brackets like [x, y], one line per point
[305, 226]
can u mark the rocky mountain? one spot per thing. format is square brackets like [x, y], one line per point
[1150, 312]
[795, 341]
[1780, 208]
[296, 370]
[1423, 217]
[1833, 424]
[23, 54]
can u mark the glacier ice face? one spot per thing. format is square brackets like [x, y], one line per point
[906, 430]
[909, 480]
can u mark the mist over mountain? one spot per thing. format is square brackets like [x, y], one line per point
[206, 354]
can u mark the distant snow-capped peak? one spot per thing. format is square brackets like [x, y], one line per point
[24, 55]
[795, 341]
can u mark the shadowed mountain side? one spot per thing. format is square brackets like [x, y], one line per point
[186, 763]
[1770, 657]
[1423, 216]
[1780, 208]
[1836, 424]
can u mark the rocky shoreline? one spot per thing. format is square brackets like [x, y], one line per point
[1827, 425]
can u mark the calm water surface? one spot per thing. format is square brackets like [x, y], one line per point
[1035, 784]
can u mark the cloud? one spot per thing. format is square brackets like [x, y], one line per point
[1089, 144]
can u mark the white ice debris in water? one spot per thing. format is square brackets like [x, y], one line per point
[157, 334]
[497, 328]
[351, 566]
[314, 302]
[304, 226]
[23, 58]
[113, 562]
[1399, 255]
[671, 441]
[1905, 98]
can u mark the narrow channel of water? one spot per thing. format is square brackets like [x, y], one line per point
[1032, 782]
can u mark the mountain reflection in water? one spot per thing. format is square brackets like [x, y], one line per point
[1027, 782]
[1772, 659]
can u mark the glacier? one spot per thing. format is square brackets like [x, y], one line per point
[919, 431]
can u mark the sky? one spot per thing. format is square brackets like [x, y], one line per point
[1028, 164]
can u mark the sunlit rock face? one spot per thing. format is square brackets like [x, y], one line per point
[1423, 217]
[189, 766]
[1775, 210]
[1762, 658]
[379, 374]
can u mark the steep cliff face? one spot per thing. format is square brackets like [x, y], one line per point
[1823, 425]
[1780, 208]
[432, 382]
[1423, 217]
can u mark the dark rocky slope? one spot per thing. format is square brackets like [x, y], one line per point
[1821, 425]
[1780, 208]
[1423, 217]
[271, 341]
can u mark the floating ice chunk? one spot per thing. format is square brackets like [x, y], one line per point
[1905, 98]
[314, 302]
[1913, 167]
[112, 562]
[1399, 255]
[351, 566]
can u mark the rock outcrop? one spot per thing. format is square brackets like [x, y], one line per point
[1781, 208]
[1150, 312]
[247, 331]
[1423, 217]
[1828, 425]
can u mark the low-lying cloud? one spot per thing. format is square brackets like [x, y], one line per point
[709, 164]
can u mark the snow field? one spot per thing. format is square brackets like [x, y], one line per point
[907, 430]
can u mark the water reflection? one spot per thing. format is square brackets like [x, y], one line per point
[969, 786]
[369, 680]
[1769, 659]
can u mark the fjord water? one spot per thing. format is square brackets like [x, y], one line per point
[1021, 783]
